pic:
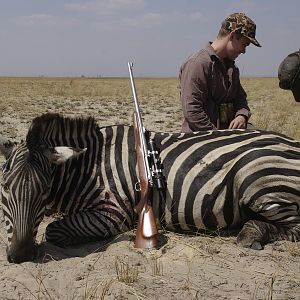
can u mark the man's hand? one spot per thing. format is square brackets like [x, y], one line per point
[238, 122]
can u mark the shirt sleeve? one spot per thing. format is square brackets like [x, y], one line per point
[194, 95]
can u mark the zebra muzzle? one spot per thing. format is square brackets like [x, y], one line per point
[21, 252]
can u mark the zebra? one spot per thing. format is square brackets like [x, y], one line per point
[222, 179]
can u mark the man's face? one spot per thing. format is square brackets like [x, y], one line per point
[237, 45]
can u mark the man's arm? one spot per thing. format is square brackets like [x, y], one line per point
[243, 113]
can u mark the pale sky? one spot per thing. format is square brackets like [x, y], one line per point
[99, 37]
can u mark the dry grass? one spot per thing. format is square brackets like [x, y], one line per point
[272, 108]
[126, 271]
[109, 101]
[157, 267]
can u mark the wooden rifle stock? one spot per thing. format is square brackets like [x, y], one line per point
[141, 164]
[146, 232]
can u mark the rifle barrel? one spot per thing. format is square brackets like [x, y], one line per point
[140, 123]
[134, 96]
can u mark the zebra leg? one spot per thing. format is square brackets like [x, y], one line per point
[281, 222]
[255, 234]
[86, 226]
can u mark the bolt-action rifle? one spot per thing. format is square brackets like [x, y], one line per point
[150, 176]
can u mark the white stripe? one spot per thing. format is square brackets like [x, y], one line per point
[103, 159]
[125, 161]
[113, 165]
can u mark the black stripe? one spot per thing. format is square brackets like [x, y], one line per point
[121, 167]
[99, 217]
[108, 168]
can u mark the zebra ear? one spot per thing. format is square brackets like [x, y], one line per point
[6, 147]
[59, 155]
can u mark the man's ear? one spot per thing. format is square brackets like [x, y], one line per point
[59, 155]
[232, 35]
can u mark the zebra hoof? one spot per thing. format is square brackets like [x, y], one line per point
[256, 246]
[252, 235]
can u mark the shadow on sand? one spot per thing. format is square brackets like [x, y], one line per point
[49, 252]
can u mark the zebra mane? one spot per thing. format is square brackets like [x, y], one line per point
[54, 129]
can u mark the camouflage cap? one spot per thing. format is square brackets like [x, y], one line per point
[240, 23]
[289, 74]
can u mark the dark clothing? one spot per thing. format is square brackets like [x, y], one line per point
[206, 83]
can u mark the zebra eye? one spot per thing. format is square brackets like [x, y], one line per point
[5, 188]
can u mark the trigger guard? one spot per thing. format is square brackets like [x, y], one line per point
[137, 187]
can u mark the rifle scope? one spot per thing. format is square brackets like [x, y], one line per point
[156, 166]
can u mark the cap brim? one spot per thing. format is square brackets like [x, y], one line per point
[254, 41]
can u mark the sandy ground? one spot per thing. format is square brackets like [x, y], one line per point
[184, 267]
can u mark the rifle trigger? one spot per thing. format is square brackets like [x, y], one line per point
[137, 186]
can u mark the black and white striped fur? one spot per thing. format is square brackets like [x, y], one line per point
[215, 179]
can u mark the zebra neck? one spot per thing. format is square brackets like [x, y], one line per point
[118, 162]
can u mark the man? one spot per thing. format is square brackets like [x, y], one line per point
[289, 74]
[210, 90]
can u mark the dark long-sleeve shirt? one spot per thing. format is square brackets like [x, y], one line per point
[205, 83]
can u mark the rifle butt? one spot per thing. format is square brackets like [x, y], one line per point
[146, 232]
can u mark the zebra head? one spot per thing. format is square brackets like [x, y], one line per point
[27, 179]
